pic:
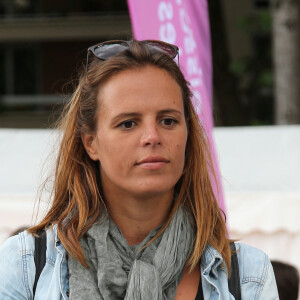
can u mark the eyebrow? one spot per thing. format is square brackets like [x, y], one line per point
[125, 116]
[167, 111]
[135, 114]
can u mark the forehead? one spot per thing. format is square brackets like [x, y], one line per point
[146, 88]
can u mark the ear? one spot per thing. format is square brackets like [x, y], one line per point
[90, 144]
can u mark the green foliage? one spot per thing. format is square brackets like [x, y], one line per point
[265, 79]
[238, 67]
[255, 72]
[257, 22]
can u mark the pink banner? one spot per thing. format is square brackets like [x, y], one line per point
[184, 23]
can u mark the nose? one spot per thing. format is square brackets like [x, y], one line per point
[151, 135]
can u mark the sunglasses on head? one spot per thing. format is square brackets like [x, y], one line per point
[108, 49]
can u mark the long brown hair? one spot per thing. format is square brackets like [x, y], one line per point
[77, 200]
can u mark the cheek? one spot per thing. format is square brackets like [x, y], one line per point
[179, 152]
[110, 156]
[182, 149]
[113, 155]
[181, 142]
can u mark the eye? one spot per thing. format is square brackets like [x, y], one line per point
[168, 122]
[127, 124]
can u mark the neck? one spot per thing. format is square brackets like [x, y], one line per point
[136, 216]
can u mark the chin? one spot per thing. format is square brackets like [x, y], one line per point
[147, 194]
[155, 189]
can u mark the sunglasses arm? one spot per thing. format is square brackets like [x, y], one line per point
[87, 60]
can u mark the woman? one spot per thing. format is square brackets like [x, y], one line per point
[134, 215]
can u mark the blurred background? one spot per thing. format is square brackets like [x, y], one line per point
[256, 66]
[43, 43]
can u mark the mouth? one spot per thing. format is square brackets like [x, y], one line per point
[153, 162]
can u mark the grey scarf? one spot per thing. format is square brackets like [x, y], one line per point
[118, 271]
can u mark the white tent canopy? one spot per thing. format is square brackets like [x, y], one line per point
[260, 168]
[261, 178]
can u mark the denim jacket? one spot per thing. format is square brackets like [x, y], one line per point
[17, 272]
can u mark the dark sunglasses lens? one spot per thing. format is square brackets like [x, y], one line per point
[172, 52]
[106, 51]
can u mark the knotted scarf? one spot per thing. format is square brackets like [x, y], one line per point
[119, 271]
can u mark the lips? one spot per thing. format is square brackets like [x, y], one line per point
[153, 162]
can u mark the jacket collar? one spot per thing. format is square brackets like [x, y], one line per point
[57, 241]
[211, 261]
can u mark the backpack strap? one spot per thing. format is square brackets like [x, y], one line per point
[234, 280]
[39, 256]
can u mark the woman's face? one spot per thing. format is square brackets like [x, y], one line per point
[141, 133]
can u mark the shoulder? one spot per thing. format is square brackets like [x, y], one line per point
[16, 259]
[256, 273]
[253, 262]
[11, 245]
[17, 266]
[16, 246]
